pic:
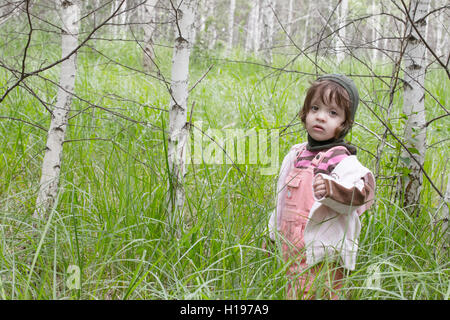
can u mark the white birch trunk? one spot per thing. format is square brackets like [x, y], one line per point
[95, 18]
[307, 31]
[250, 30]
[203, 14]
[231, 26]
[375, 31]
[178, 128]
[289, 21]
[123, 18]
[342, 33]
[114, 20]
[442, 44]
[51, 165]
[425, 35]
[413, 103]
[212, 30]
[149, 15]
[256, 27]
[267, 29]
[439, 32]
[120, 18]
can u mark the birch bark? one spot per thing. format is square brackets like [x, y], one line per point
[212, 29]
[307, 28]
[256, 31]
[267, 29]
[439, 36]
[413, 103]
[203, 15]
[289, 21]
[249, 40]
[442, 37]
[51, 165]
[149, 14]
[120, 18]
[123, 18]
[375, 30]
[115, 19]
[342, 32]
[231, 26]
[178, 127]
[207, 17]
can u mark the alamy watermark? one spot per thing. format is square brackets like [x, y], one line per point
[373, 281]
[234, 146]
[73, 280]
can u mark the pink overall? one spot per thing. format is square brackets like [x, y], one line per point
[298, 202]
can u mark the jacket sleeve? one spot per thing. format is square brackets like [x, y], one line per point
[344, 198]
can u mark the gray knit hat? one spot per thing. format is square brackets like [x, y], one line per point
[348, 85]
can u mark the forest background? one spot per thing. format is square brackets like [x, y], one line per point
[103, 95]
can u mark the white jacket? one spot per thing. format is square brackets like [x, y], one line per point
[333, 228]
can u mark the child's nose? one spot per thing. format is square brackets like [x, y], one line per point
[320, 115]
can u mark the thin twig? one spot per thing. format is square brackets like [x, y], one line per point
[201, 78]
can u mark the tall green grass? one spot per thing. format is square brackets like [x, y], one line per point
[110, 217]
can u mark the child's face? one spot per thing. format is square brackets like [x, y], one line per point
[323, 118]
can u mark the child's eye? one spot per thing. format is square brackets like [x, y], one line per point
[314, 108]
[333, 113]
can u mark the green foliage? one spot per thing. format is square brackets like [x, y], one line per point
[110, 218]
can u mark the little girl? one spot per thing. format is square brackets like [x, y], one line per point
[322, 189]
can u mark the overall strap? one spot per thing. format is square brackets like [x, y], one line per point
[299, 149]
[321, 155]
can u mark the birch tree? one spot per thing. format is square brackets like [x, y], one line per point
[230, 26]
[375, 30]
[51, 165]
[442, 44]
[253, 35]
[289, 20]
[119, 18]
[248, 38]
[342, 32]
[149, 14]
[178, 127]
[267, 29]
[414, 102]
[211, 27]
[307, 27]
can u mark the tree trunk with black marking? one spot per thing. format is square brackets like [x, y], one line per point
[178, 127]
[51, 165]
[414, 104]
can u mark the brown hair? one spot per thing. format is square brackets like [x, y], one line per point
[335, 93]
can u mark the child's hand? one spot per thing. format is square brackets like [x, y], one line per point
[319, 187]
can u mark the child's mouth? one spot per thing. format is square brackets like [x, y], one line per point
[318, 128]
